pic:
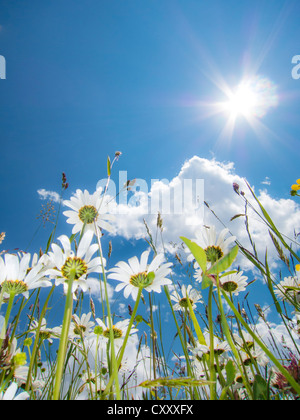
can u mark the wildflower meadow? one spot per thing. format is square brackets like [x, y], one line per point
[210, 348]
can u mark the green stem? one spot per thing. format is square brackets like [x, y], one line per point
[211, 350]
[120, 358]
[96, 366]
[230, 341]
[7, 315]
[153, 343]
[64, 338]
[115, 368]
[121, 354]
[1, 296]
[183, 344]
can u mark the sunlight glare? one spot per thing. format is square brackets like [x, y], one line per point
[243, 101]
[252, 98]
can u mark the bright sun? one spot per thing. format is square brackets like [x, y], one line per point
[243, 101]
[252, 98]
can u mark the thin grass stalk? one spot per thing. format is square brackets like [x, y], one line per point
[85, 357]
[7, 315]
[32, 311]
[231, 343]
[16, 319]
[96, 366]
[115, 367]
[36, 341]
[121, 353]
[182, 341]
[153, 334]
[64, 337]
[211, 350]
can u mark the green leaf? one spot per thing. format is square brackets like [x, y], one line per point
[206, 282]
[108, 167]
[230, 373]
[260, 388]
[49, 243]
[174, 383]
[199, 333]
[225, 262]
[197, 252]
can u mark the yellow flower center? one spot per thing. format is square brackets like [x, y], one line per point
[15, 287]
[74, 265]
[116, 332]
[142, 279]
[87, 214]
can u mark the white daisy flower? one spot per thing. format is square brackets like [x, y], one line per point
[119, 331]
[214, 247]
[21, 374]
[220, 347]
[238, 385]
[81, 327]
[258, 355]
[200, 352]
[138, 274]
[88, 210]
[10, 394]
[64, 262]
[234, 283]
[18, 277]
[288, 289]
[89, 383]
[181, 303]
[247, 342]
[45, 333]
[247, 345]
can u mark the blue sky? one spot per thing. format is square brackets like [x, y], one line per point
[85, 79]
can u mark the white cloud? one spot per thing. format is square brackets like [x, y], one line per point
[99, 292]
[48, 195]
[122, 309]
[266, 181]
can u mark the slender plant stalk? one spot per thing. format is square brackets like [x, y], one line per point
[211, 350]
[6, 319]
[153, 334]
[231, 343]
[121, 354]
[64, 337]
[36, 341]
[115, 367]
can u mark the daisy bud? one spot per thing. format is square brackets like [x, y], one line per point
[28, 342]
[236, 187]
[20, 359]
[98, 330]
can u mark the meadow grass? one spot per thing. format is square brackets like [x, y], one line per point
[211, 348]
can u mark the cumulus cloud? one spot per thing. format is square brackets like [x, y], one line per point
[266, 181]
[215, 187]
[48, 195]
